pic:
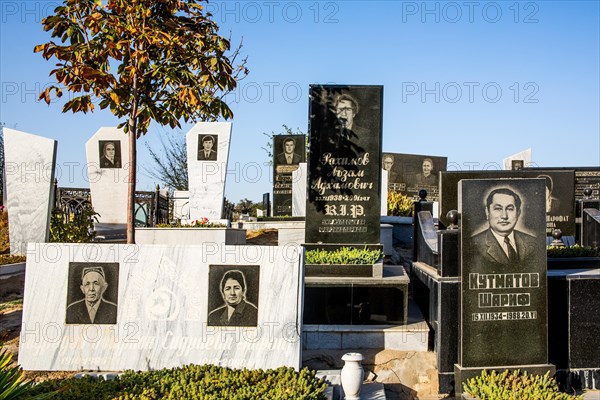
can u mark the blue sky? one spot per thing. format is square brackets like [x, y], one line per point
[473, 81]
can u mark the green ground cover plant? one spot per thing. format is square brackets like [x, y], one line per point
[207, 382]
[515, 385]
[11, 259]
[197, 223]
[344, 255]
[573, 251]
[76, 228]
[399, 205]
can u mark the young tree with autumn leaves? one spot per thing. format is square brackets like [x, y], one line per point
[145, 60]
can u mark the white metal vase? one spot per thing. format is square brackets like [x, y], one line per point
[352, 375]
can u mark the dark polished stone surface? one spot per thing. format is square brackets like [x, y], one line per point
[344, 167]
[449, 254]
[561, 212]
[407, 173]
[284, 147]
[503, 299]
[353, 306]
[584, 329]
[418, 207]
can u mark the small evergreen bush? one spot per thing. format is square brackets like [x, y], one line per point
[515, 385]
[345, 255]
[399, 205]
[78, 228]
[207, 382]
[572, 251]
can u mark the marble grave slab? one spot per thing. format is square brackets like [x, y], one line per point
[161, 307]
[207, 154]
[29, 177]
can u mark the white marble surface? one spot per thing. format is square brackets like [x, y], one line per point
[29, 170]
[524, 155]
[181, 204]
[174, 333]
[108, 186]
[299, 177]
[206, 179]
[384, 192]
[194, 236]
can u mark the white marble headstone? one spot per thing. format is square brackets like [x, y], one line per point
[384, 192]
[299, 177]
[524, 155]
[108, 183]
[206, 177]
[181, 204]
[29, 163]
[161, 295]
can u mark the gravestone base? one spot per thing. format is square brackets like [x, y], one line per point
[462, 374]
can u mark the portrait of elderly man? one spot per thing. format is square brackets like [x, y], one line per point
[110, 156]
[236, 311]
[93, 308]
[206, 150]
[501, 244]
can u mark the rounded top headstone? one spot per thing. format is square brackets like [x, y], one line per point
[587, 192]
[452, 217]
[423, 195]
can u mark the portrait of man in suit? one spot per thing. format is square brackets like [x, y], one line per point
[552, 202]
[346, 108]
[236, 309]
[93, 308]
[502, 245]
[207, 150]
[110, 154]
[289, 156]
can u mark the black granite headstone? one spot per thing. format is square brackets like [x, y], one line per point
[344, 170]
[288, 153]
[560, 194]
[409, 173]
[266, 204]
[503, 274]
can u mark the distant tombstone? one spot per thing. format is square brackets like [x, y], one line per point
[343, 204]
[518, 161]
[299, 190]
[107, 153]
[266, 204]
[161, 307]
[409, 173]
[181, 204]
[384, 192]
[503, 274]
[587, 178]
[29, 163]
[560, 194]
[288, 153]
[207, 154]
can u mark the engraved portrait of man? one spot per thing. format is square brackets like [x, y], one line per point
[93, 308]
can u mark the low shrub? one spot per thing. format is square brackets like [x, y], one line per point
[11, 259]
[344, 255]
[193, 382]
[4, 243]
[13, 385]
[399, 205]
[572, 251]
[76, 228]
[515, 385]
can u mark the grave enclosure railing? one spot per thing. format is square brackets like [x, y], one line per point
[151, 208]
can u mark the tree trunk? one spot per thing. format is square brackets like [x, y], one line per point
[131, 181]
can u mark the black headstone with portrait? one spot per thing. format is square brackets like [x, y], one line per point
[559, 192]
[288, 153]
[344, 169]
[503, 307]
[409, 173]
